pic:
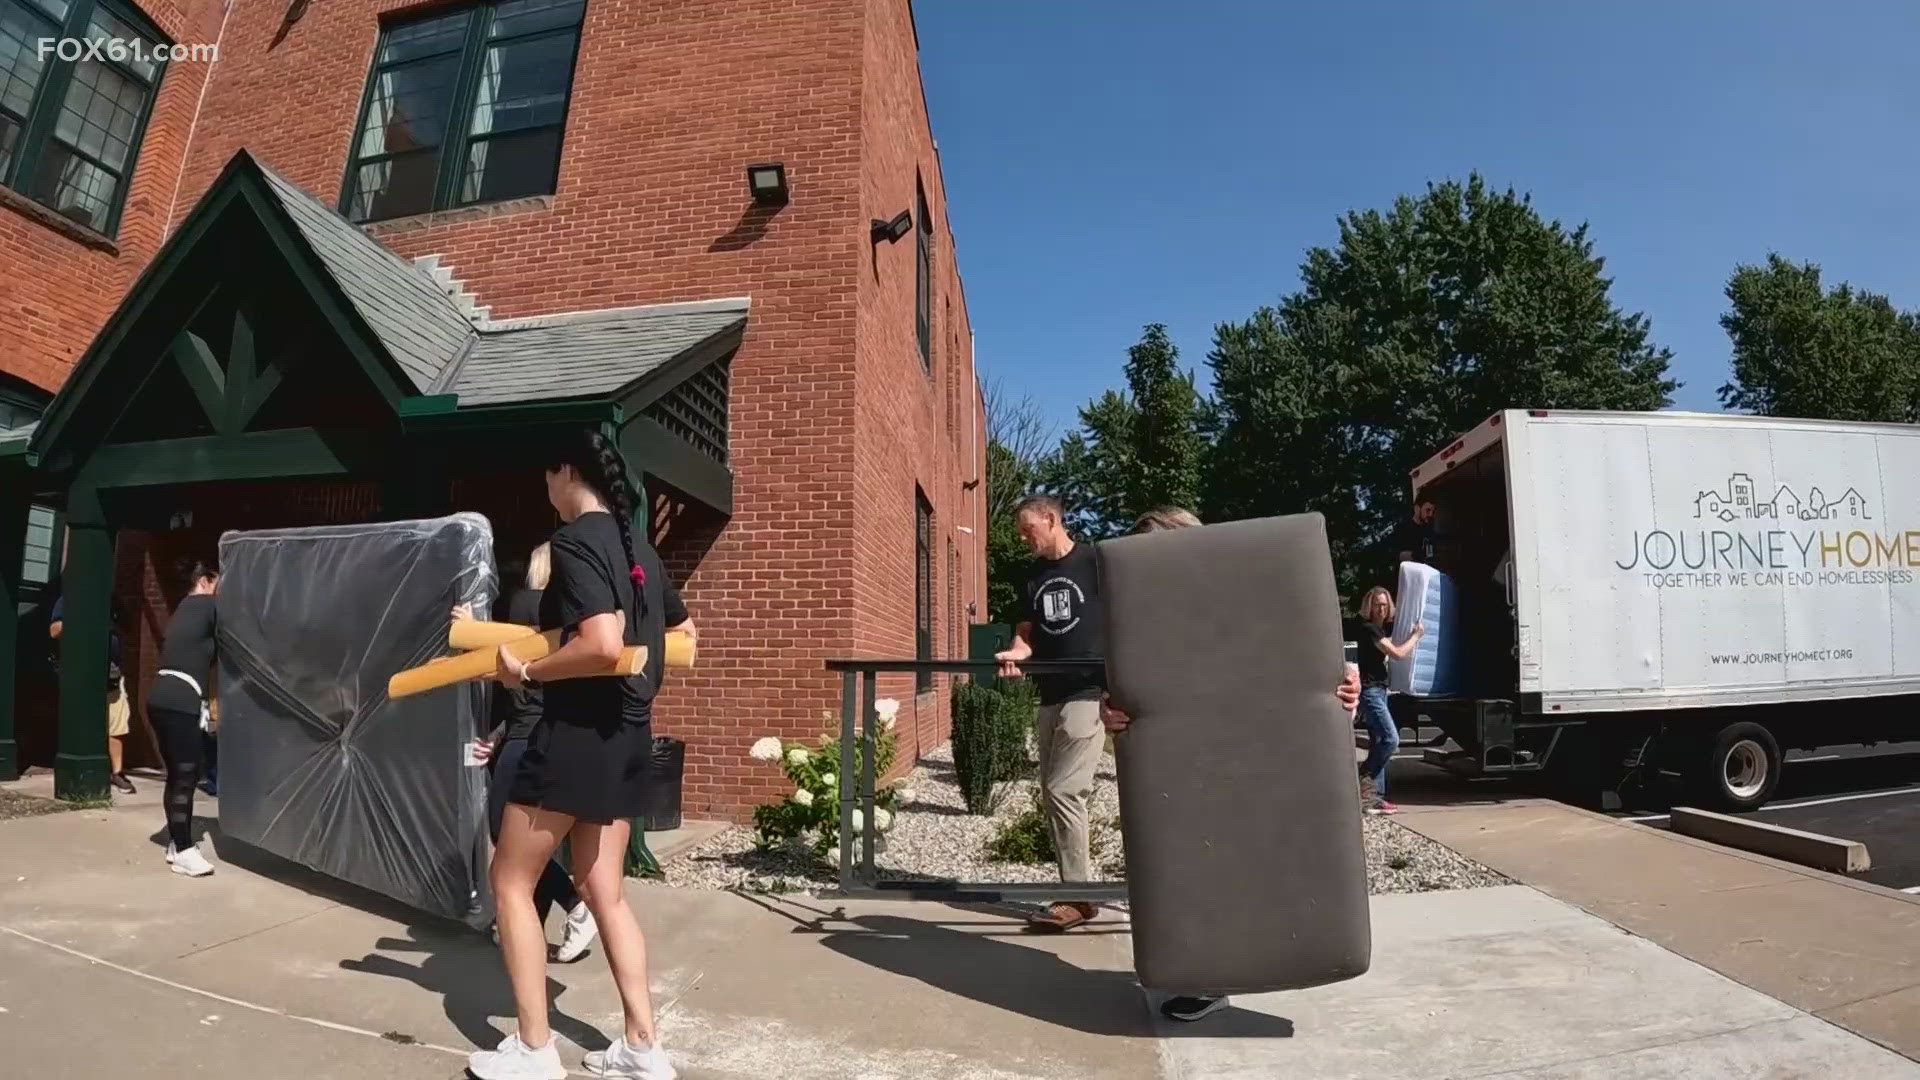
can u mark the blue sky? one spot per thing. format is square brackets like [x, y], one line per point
[1131, 161]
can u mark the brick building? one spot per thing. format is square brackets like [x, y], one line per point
[335, 272]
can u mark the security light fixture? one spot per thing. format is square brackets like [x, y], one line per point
[768, 183]
[892, 231]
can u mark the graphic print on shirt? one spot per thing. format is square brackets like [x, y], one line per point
[1058, 597]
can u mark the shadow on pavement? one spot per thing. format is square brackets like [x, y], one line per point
[1020, 979]
[465, 971]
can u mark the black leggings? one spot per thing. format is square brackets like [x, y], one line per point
[180, 748]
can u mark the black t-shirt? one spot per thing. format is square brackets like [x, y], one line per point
[1372, 662]
[1416, 538]
[1066, 620]
[590, 577]
[519, 709]
[188, 648]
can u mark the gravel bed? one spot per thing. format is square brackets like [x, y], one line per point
[934, 838]
[14, 805]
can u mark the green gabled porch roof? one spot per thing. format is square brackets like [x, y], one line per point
[428, 353]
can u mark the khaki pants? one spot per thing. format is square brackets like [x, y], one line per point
[119, 711]
[1070, 739]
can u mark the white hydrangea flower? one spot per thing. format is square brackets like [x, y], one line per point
[859, 821]
[831, 779]
[883, 819]
[803, 797]
[797, 756]
[886, 708]
[904, 795]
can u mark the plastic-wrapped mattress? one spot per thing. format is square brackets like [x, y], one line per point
[1239, 806]
[1432, 599]
[317, 765]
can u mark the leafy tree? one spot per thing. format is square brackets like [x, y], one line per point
[1166, 433]
[1422, 321]
[1799, 350]
[1134, 450]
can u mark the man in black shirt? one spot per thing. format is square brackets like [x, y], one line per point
[1064, 622]
[1415, 539]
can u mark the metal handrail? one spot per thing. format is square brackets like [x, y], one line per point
[858, 692]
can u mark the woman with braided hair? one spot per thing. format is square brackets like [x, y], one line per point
[584, 772]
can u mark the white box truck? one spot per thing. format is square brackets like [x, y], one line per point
[1677, 592]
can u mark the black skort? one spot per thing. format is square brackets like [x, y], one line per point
[591, 772]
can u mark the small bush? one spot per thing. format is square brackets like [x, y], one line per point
[1019, 705]
[1024, 839]
[813, 810]
[976, 720]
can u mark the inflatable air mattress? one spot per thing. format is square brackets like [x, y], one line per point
[1239, 808]
[1430, 598]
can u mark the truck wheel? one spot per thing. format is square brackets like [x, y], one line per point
[1742, 768]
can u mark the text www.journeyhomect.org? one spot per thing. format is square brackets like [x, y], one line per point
[125, 51]
[1811, 656]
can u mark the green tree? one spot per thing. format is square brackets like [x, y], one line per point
[1134, 450]
[1800, 350]
[1422, 321]
[1166, 430]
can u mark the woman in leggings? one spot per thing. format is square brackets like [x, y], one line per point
[583, 775]
[515, 713]
[176, 702]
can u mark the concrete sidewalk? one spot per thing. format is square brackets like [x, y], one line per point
[267, 971]
[1843, 950]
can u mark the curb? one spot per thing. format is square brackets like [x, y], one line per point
[1829, 853]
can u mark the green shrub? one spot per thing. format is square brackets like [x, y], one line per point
[976, 721]
[1019, 705]
[1024, 839]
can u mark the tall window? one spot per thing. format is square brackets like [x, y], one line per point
[464, 107]
[953, 600]
[923, 588]
[70, 127]
[923, 277]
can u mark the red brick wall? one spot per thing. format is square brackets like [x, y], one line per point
[909, 438]
[58, 282]
[833, 420]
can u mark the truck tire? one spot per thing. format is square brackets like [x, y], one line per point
[1741, 768]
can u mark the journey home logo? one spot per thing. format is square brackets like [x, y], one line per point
[1770, 545]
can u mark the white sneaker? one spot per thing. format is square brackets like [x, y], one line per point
[189, 862]
[515, 1060]
[580, 932]
[624, 1061]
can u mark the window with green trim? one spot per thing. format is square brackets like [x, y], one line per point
[72, 112]
[922, 588]
[923, 276]
[464, 107]
[40, 563]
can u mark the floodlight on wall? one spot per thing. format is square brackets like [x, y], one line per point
[892, 231]
[768, 183]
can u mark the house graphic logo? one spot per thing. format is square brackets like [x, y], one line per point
[1740, 500]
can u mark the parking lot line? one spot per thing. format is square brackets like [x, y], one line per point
[1909, 790]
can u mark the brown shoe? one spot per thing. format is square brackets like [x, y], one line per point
[1061, 918]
